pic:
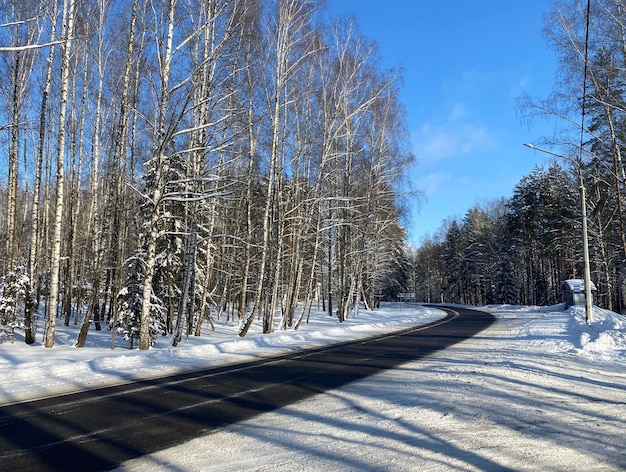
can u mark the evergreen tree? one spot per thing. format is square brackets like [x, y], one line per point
[504, 287]
[129, 300]
[453, 264]
[15, 295]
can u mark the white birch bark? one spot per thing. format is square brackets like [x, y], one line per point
[55, 258]
[23, 35]
[293, 17]
[43, 113]
[157, 193]
[94, 229]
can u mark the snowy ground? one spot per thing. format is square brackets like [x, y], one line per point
[539, 390]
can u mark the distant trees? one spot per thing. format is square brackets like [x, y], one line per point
[168, 163]
[516, 250]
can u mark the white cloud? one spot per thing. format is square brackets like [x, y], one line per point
[434, 143]
[457, 113]
[432, 182]
[522, 84]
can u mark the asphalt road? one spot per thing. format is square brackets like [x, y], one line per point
[99, 429]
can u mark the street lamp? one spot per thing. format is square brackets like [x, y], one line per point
[583, 206]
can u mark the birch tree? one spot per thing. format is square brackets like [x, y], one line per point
[355, 89]
[207, 158]
[159, 165]
[117, 226]
[67, 33]
[35, 240]
[184, 129]
[22, 32]
[213, 130]
[94, 249]
[291, 45]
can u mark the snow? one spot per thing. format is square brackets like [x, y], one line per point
[538, 390]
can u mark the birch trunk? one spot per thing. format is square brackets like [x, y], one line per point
[29, 335]
[252, 148]
[22, 35]
[73, 203]
[293, 18]
[94, 217]
[55, 258]
[13, 168]
[157, 193]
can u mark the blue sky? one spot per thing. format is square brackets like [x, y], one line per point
[465, 66]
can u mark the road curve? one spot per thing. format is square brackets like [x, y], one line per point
[99, 429]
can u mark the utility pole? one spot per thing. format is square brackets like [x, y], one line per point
[588, 300]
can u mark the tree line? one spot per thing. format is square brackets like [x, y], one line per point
[509, 251]
[167, 162]
[519, 250]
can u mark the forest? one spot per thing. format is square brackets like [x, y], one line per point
[166, 162]
[519, 250]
